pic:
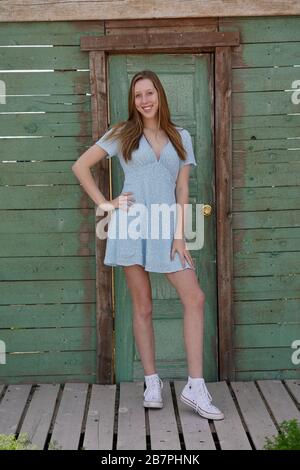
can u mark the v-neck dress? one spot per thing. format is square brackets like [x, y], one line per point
[138, 236]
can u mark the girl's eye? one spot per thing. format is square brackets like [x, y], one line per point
[149, 93]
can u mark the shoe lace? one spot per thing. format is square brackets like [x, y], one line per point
[205, 395]
[152, 383]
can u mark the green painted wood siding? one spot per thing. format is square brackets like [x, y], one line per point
[266, 196]
[47, 241]
[47, 267]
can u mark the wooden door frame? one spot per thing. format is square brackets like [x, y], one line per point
[220, 44]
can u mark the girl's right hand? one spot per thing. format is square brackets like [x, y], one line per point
[124, 201]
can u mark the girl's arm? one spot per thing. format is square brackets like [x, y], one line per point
[81, 169]
[182, 197]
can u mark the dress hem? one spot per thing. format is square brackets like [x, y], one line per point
[147, 268]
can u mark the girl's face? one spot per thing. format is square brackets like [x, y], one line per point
[146, 98]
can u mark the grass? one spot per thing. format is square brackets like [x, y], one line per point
[22, 442]
[288, 437]
[10, 442]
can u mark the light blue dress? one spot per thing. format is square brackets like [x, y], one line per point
[153, 182]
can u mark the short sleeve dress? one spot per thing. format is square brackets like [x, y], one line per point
[143, 235]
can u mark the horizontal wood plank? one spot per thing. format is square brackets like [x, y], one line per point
[263, 79]
[68, 88]
[53, 33]
[38, 195]
[265, 29]
[266, 219]
[208, 23]
[265, 264]
[256, 173]
[266, 127]
[281, 374]
[48, 316]
[266, 199]
[265, 359]
[44, 149]
[42, 125]
[58, 364]
[47, 244]
[266, 55]
[158, 41]
[48, 221]
[43, 58]
[49, 339]
[131, 9]
[266, 336]
[263, 103]
[52, 268]
[273, 241]
[267, 287]
[37, 173]
[40, 292]
[279, 311]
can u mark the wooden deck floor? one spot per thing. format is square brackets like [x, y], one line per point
[79, 415]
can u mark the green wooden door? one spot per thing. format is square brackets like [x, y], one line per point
[187, 81]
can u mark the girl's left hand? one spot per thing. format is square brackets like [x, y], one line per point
[179, 245]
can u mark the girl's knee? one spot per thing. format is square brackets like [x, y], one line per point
[143, 309]
[195, 300]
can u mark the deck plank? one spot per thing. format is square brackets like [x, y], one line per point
[68, 422]
[255, 413]
[294, 388]
[99, 430]
[196, 430]
[279, 401]
[162, 423]
[39, 414]
[131, 417]
[230, 430]
[12, 407]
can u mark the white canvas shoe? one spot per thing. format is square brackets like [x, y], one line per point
[152, 394]
[197, 396]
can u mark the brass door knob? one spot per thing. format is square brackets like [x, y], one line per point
[207, 210]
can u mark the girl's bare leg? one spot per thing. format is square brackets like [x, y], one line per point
[193, 299]
[138, 282]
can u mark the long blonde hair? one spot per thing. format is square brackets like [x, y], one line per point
[129, 132]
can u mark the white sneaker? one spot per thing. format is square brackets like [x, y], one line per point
[152, 394]
[197, 396]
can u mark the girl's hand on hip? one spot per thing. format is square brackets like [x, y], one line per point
[179, 245]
